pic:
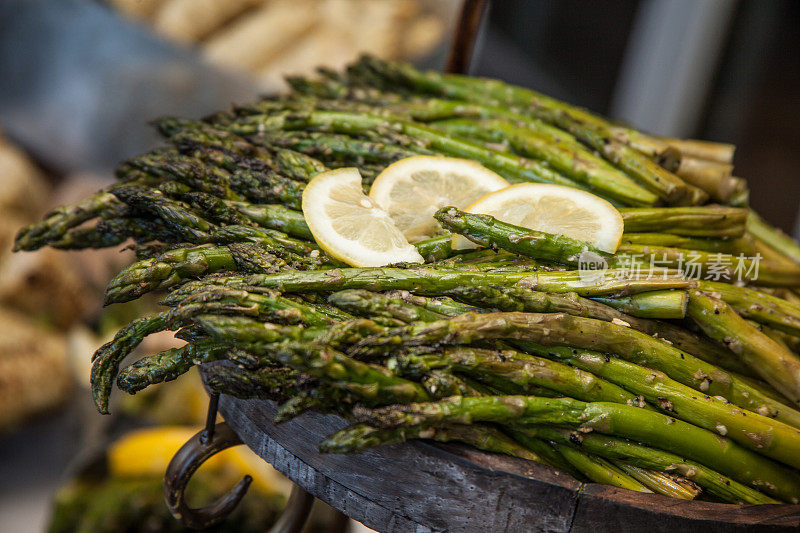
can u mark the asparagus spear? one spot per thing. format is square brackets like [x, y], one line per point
[523, 299]
[367, 304]
[764, 308]
[372, 384]
[188, 171]
[672, 486]
[590, 129]
[434, 282]
[666, 240]
[181, 130]
[105, 234]
[275, 216]
[773, 237]
[773, 362]
[108, 357]
[486, 230]
[435, 248]
[273, 383]
[332, 147]
[706, 221]
[707, 150]
[177, 216]
[508, 367]
[560, 329]
[167, 365]
[265, 255]
[516, 169]
[56, 223]
[167, 270]
[655, 429]
[360, 437]
[749, 429]
[706, 265]
[578, 165]
[713, 177]
[599, 470]
[442, 305]
[654, 304]
[586, 466]
[620, 449]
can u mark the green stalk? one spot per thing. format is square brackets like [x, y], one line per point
[435, 282]
[659, 482]
[654, 304]
[599, 470]
[588, 128]
[614, 448]
[368, 304]
[523, 299]
[556, 329]
[773, 362]
[514, 168]
[264, 383]
[275, 216]
[487, 231]
[108, 357]
[773, 237]
[524, 372]
[581, 166]
[666, 240]
[372, 384]
[718, 266]
[749, 429]
[707, 221]
[655, 429]
[760, 306]
[167, 365]
[58, 221]
[360, 437]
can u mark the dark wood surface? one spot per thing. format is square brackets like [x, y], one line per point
[419, 487]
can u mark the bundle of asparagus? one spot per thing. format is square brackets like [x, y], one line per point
[656, 383]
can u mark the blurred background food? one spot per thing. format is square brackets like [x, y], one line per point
[269, 38]
[121, 488]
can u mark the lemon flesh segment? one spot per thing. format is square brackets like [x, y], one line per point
[349, 225]
[552, 209]
[413, 189]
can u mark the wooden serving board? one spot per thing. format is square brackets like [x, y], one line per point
[420, 487]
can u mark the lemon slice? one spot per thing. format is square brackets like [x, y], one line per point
[552, 209]
[351, 226]
[413, 189]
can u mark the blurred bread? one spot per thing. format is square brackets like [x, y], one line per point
[189, 21]
[251, 42]
[272, 38]
[46, 286]
[304, 57]
[33, 369]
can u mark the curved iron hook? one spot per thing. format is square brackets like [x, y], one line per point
[185, 463]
